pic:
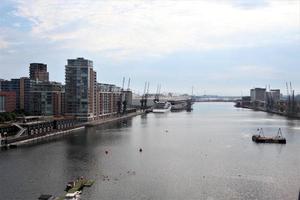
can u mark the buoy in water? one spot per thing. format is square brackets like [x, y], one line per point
[141, 149]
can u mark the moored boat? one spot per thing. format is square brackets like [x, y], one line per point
[161, 107]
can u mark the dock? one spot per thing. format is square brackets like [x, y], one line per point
[112, 119]
[78, 185]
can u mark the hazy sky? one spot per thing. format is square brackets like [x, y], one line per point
[219, 47]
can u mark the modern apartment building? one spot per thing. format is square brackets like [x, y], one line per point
[80, 89]
[2, 104]
[107, 98]
[275, 94]
[21, 87]
[38, 72]
[258, 94]
[45, 98]
[7, 101]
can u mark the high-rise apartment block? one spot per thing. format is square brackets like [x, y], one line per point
[80, 89]
[38, 72]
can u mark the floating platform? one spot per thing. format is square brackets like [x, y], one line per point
[74, 188]
[264, 139]
[260, 138]
[79, 184]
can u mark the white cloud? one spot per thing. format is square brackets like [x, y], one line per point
[133, 28]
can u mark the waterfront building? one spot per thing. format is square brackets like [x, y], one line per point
[258, 94]
[2, 104]
[275, 94]
[38, 72]
[258, 98]
[7, 101]
[80, 89]
[45, 98]
[128, 97]
[21, 87]
[107, 98]
[63, 100]
[246, 101]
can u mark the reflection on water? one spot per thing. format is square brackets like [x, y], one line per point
[204, 154]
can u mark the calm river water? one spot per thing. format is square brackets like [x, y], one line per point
[204, 154]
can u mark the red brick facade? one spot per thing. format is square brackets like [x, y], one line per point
[9, 101]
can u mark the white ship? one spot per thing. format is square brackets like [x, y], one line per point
[161, 107]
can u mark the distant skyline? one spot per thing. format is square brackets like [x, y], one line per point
[219, 47]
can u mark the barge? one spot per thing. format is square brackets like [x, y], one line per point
[261, 138]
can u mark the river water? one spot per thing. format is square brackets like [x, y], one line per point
[204, 154]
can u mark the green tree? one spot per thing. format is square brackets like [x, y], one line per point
[13, 115]
[2, 119]
[7, 116]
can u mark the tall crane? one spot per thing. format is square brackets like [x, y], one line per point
[120, 103]
[144, 100]
[156, 99]
[128, 86]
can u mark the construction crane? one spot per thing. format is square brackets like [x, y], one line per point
[292, 98]
[144, 100]
[156, 99]
[128, 86]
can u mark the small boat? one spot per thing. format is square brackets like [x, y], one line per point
[73, 195]
[261, 138]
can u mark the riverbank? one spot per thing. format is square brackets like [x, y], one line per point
[284, 114]
[44, 137]
[59, 133]
[113, 119]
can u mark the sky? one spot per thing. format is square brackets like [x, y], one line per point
[223, 47]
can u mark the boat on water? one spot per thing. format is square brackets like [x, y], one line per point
[161, 107]
[178, 106]
[261, 138]
[73, 196]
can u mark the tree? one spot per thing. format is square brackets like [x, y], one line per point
[7, 116]
[2, 119]
[13, 115]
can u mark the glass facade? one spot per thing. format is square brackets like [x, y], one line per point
[2, 104]
[79, 90]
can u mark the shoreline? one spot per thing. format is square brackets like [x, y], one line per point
[113, 119]
[60, 133]
[271, 112]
